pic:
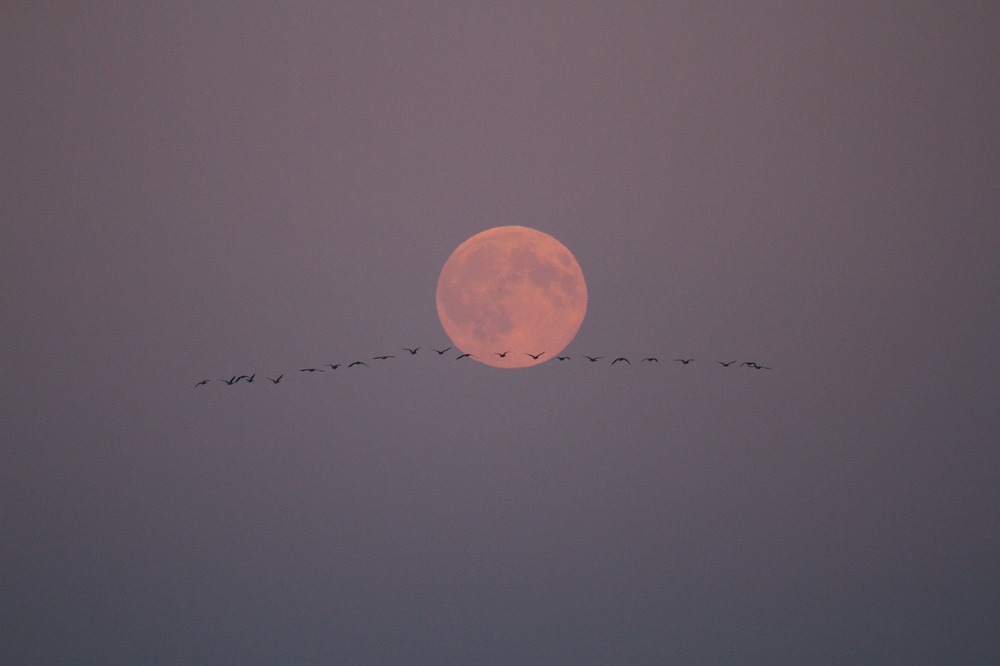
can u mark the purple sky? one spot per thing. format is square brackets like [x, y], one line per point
[200, 190]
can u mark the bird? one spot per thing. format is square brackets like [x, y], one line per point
[441, 351]
[204, 381]
[534, 356]
[250, 378]
[592, 359]
[725, 365]
[685, 361]
[461, 356]
[310, 370]
[382, 358]
[562, 358]
[412, 351]
[232, 380]
[276, 380]
[502, 354]
[650, 358]
[332, 366]
[239, 378]
[620, 358]
[750, 363]
[358, 363]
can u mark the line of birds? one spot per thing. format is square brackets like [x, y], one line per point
[235, 379]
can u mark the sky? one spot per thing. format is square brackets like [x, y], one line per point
[200, 190]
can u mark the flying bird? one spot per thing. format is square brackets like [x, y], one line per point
[232, 380]
[204, 381]
[357, 363]
[412, 351]
[382, 358]
[562, 358]
[685, 361]
[250, 378]
[725, 365]
[441, 351]
[276, 380]
[620, 358]
[650, 358]
[332, 366]
[502, 354]
[534, 356]
[461, 356]
[750, 363]
[593, 358]
[310, 370]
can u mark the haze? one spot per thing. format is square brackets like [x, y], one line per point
[206, 190]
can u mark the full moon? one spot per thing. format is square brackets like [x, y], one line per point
[509, 293]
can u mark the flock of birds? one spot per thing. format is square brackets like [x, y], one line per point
[235, 379]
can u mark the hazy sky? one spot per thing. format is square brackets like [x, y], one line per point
[197, 190]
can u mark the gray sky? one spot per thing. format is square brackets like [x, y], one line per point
[200, 190]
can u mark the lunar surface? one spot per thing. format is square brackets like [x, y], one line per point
[509, 294]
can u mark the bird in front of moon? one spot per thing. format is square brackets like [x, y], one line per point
[511, 288]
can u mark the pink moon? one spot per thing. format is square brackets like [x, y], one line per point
[511, 293]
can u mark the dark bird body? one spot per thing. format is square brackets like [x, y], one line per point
[382, 358]
[441, 351]
[593, 359]
[502, 354]
[725, 365]
[620, 358]
[203, 382]
[357, 363]
[461, 356]
[332, 366]
[276, 380]
[562, 358]
[534, 356]
[685, 361]
[412, 351]
[310, 370]
[651, 358]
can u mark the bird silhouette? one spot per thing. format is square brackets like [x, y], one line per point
[412, 351]
[276, 380]
[232, 380]
[250, 378]
[332, 366]
[441, 351]
[592, 359]
[562, 358]
[534, 356]
[650, 358]
[755, 366]
[203, 382]
[725, 365]
[685, 361]
[382, 358]
[620, 358]
[461, 356]
[750, 363]
[357, 363]
[502, 354]
[310, 370]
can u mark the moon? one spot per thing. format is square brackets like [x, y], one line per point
[511, 289]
